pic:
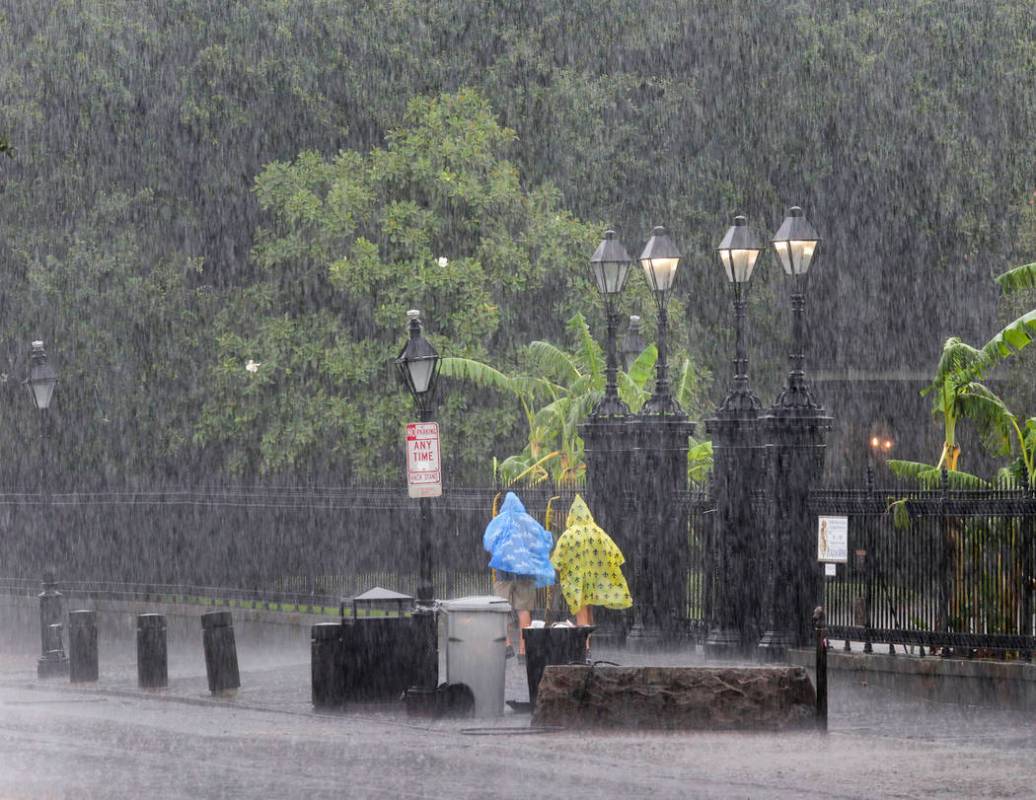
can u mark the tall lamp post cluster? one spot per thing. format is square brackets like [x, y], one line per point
[753, 605]
[646, 516]
[640, 515]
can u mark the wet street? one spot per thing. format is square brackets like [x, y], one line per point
[115, 741]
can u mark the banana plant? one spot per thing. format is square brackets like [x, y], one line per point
[557, 391]
[958, 393]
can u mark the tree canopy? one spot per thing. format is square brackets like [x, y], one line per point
[196, 185]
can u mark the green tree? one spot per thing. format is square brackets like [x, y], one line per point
[437, 220]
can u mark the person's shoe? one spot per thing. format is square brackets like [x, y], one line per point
[509, 653]
[521, 658]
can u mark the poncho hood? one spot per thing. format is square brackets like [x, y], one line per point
[518, 543]
[579, 513]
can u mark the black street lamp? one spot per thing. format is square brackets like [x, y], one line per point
[41, 382]
[418, 365]
[797, 429]
[633, 343]
[736, 467]
[738, 252]
[609, 267]
[660, 260]
[796, 243]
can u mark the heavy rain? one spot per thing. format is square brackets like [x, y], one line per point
[432, 398]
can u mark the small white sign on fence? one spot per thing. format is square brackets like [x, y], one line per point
[833, 539]
[423, 466]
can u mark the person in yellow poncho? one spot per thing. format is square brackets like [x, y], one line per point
[589, 566]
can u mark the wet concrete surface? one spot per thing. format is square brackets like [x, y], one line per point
[116, 741]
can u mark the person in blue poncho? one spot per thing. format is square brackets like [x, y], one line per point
[520, 553]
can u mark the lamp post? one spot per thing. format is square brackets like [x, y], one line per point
[41, 382]
[632, 343]
[796, 243]
[661, 433]
[797, 428]
[738, 252]
[418, 364]
[660, 260]
[737, 597]
[609, 266]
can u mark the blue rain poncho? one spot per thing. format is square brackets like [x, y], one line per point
[518, 543]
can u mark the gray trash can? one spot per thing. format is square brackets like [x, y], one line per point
[476, 649]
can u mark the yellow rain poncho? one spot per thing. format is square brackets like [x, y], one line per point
[588, 563]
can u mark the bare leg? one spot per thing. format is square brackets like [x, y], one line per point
[585, 616]
[524, 621]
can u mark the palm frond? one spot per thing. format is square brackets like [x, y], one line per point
[930, 476]
[590, 354]
[630, 392]
[1018, 279]
[553, 363]
[994, 422]
[643, 368]
[687, 384]
[699, 462]
[957, 359]
[1014, 337]
[476, 372]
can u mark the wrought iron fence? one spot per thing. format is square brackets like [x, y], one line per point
[952, 570]
[283, 549]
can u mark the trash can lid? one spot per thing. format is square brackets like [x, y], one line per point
[483, 602]
[380, 595]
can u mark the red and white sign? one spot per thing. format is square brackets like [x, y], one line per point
[423, 465]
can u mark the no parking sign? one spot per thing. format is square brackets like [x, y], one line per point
[423, 465]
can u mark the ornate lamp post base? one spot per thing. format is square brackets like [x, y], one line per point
[645, 639]
[723, 643]
[774, 644]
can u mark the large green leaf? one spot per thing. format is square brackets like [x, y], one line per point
[981, 406]
[958, 358]
[1018, 279]
[553, 363]
[699, 462]
[930, 476]
[1014, 337]
[590, 354]
[642, 369]
[483, 375]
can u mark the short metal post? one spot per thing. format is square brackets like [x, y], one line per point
[220, 652]
[82, 646]
[326, 668]
[152, 656]
[821, 631]
[52, 663]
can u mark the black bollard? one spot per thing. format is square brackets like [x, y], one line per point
[82, 646]
[220, 651]
[52, 663]
[818, 624]
[152, 657]
[326, 669]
